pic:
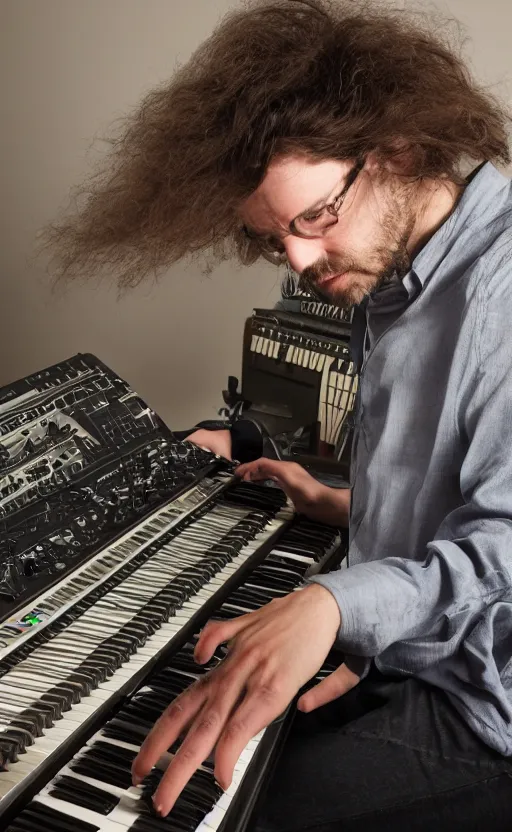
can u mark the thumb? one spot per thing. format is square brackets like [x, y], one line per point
[289, 475]
[260, 469]
[336, 684]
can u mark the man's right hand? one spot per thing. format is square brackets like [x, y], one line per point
[216, 441]
[312, 498]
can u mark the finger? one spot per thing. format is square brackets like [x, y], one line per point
[246, 467]
[260, 469]
[336, 684]
[167, 729]
[218, 632]
[260, 706]
[225, 691]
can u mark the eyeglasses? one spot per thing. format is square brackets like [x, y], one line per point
[310, 224]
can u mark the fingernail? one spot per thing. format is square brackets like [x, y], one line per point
[136, 780]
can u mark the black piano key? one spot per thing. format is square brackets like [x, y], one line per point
[112, 753]
[40, 818]
[83, 794]
[119, 729]
[9, 749]
[280, 561]
[38, 718]
[141, 713]
[150, 822]
[301, 547]
[252, 596]
[107, 762]
[186, 663]
[170, 676]
[242, 609]
[275, 575]
[19, 735]
[110, 773]
[194, 802]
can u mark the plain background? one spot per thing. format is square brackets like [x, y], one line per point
[68, 69]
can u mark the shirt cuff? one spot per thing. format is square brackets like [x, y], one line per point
[368, 603]
[360, 665]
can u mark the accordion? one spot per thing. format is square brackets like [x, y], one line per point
[300, 382]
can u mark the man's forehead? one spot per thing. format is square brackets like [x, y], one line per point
[292, 185]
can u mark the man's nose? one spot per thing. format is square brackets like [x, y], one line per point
[302, 253]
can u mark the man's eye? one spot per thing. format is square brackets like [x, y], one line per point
[311, 218]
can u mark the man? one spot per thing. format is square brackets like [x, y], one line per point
[335, 138]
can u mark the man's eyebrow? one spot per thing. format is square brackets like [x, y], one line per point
[316, 205]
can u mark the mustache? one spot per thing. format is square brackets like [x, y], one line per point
[309, 278]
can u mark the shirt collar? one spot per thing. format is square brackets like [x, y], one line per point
[477, 200]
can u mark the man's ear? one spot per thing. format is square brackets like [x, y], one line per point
[397, 158]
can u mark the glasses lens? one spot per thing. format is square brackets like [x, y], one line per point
[314, 225]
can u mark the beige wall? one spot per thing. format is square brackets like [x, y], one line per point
[67, 69]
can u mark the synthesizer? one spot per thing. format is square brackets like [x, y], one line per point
[118, 544]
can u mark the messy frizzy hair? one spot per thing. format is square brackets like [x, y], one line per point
[333, 79]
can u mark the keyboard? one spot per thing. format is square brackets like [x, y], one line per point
[97, 649]
[118, 542]
[93, 790]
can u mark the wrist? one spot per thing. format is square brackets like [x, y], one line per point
[342, 497]
[331, 505]
[331, 614]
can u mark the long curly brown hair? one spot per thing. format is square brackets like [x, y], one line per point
[331, 79]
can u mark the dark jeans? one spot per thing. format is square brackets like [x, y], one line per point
[388, 756]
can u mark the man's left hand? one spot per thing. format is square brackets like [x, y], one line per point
[273, 652]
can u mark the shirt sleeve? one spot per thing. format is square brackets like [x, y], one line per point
[457, 596]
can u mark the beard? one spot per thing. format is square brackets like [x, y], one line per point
[359, 278]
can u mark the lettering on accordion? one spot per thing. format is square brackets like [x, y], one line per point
[326, 310]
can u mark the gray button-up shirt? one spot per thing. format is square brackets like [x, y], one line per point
[428, 591]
